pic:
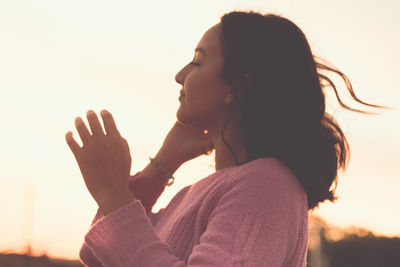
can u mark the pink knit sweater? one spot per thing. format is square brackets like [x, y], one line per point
[251, 215]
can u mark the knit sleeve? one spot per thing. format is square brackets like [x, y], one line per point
[147, 189]
[138, 184]
[86, 254]
[249, 226]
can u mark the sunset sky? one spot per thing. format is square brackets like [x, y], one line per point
[59, 59]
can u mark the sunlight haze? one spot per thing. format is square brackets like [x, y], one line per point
[59, 59]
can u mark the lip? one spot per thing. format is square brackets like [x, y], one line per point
[181, 97]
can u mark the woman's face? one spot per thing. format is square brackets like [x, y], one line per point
[205, 93]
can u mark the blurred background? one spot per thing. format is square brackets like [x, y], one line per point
[59, 59]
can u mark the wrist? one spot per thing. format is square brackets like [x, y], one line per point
[116, 201]
[168, 161]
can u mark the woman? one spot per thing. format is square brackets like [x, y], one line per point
[254, 95]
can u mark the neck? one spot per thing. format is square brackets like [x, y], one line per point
[233, 137]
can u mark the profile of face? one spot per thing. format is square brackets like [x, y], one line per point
[206, 95]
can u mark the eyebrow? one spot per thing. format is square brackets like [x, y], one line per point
[200, 50]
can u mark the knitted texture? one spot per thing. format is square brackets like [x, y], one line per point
[255, 214]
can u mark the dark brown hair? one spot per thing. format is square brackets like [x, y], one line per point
[283, 108]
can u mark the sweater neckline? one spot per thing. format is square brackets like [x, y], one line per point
[239, 166]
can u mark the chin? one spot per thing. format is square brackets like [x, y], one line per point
[179, 115]
[185, 119]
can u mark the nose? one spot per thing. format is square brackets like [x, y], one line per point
[179, 77]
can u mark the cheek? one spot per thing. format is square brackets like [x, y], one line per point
[203, 83]
[202, 94]
[205, 91]
[197, 78]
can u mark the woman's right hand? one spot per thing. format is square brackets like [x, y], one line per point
[185, 142]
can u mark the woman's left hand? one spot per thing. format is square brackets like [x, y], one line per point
[104, 161]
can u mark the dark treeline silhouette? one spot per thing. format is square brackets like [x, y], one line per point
[356, 247]
[369, 251]
[26, 260]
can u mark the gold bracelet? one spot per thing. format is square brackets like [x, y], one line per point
[170, 180]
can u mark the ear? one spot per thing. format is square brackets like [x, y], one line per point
[241, 86]
[229, 98]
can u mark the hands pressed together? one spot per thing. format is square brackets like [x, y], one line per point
[105, 161]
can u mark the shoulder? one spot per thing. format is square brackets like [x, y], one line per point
[263, 172]
[265, 182]
[261, 202]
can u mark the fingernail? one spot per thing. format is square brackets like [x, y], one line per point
[68, 135]
[104, 112]
[78, 120]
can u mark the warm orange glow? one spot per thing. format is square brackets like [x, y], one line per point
[59, 60]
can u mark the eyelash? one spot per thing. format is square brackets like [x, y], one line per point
[194, 63]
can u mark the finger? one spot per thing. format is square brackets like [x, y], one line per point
[73, 145]
[126, 148]
[82, 130]
[94, 123]
[109, 123]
